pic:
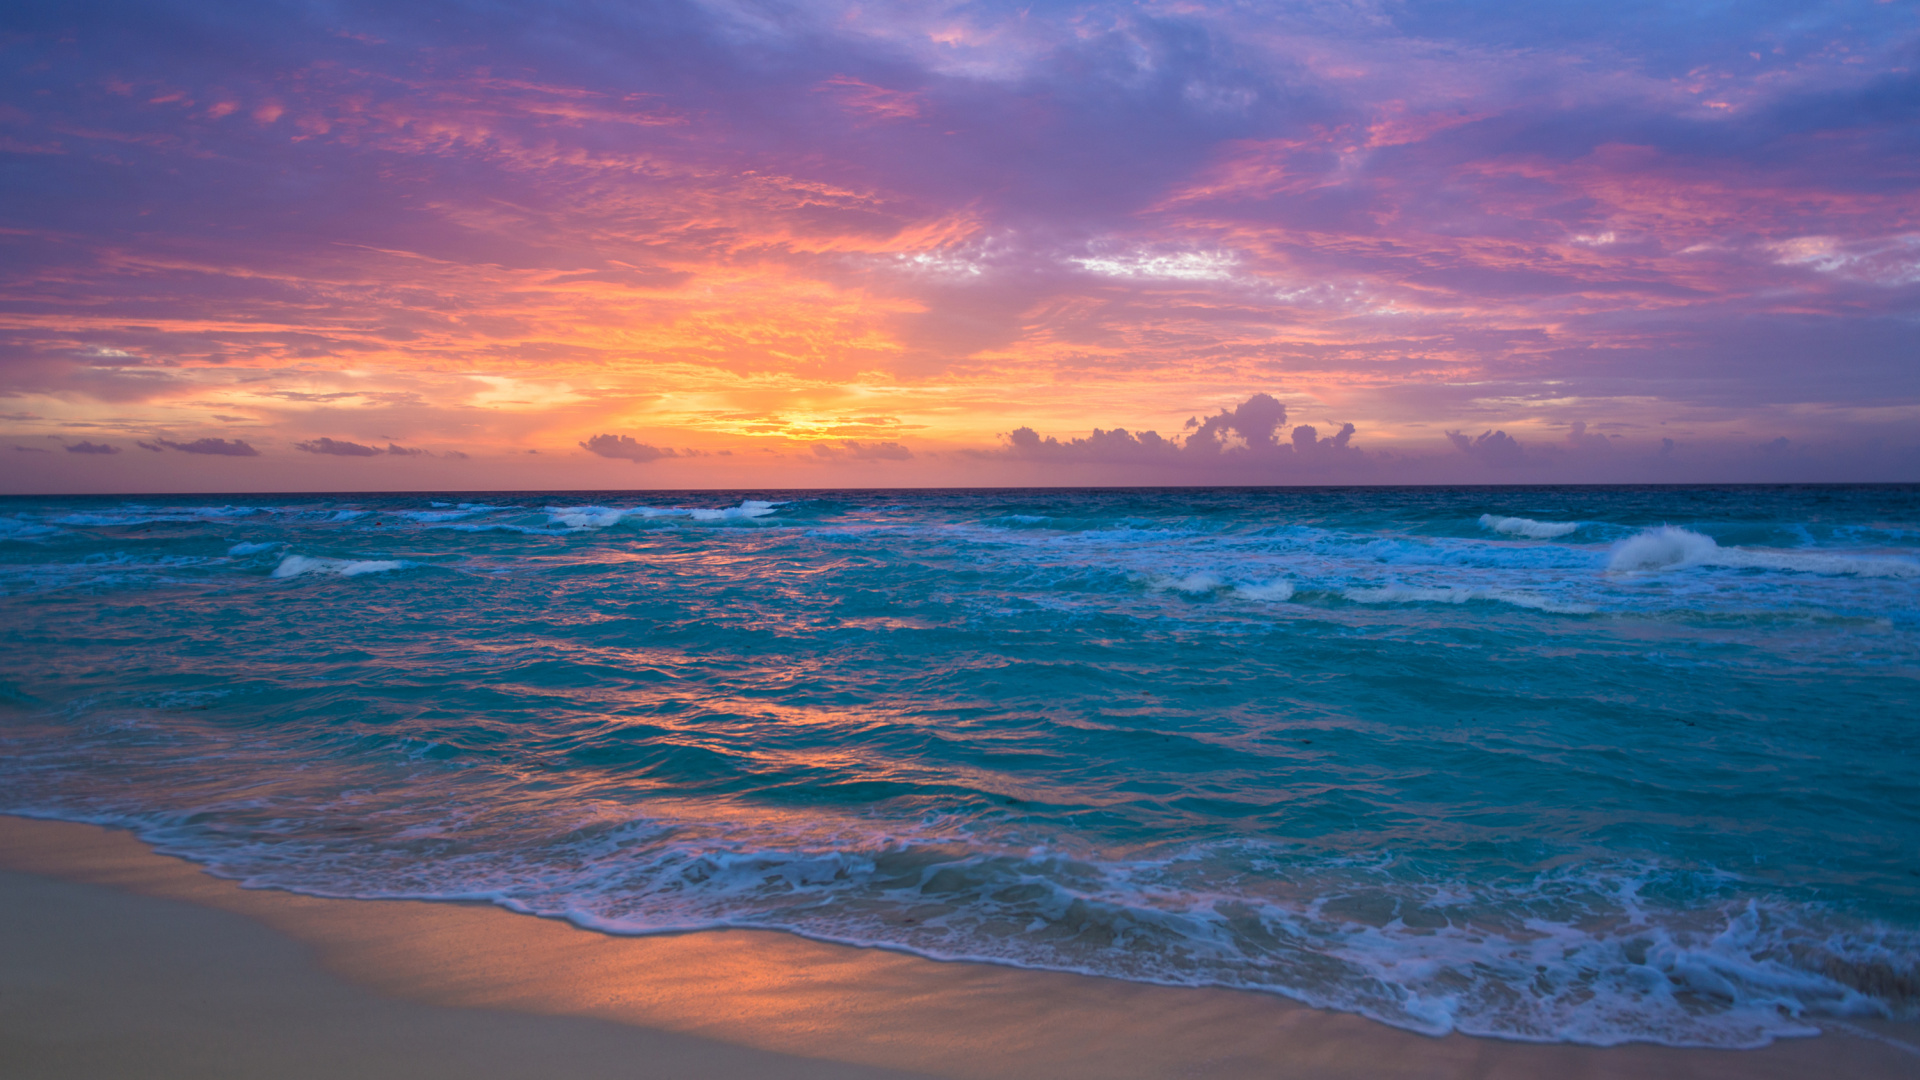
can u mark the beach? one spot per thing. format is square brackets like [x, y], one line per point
[123, 962]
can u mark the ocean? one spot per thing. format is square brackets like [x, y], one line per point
[1578, 764]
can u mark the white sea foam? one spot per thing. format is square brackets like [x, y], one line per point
[1273, 592]
[447, 512]
[295, 565]
[1596, 954]
[600, 517]
[1669, 547]
[584, 517]
[1409, 594]
[1519, 526]
[245, 548]
[1196, 583]
[751, 508]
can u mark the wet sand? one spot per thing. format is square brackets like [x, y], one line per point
[116, 961]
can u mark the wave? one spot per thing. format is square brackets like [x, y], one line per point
[1458, 594]
[1519, 526]
[16, 528]
[447, 512]
[295, 565]
[1203, 582]
[1597, 953]
[1670, 547]
[1197, 583]
[245, 548]
[1274, 591]
[600, 517]
[143, 515]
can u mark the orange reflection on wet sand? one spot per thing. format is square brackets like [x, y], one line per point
[866, 1006]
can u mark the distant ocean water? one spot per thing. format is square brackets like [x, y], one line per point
[1558, 764]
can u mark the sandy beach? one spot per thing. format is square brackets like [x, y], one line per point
[122, 962]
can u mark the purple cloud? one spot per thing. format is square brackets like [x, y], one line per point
[220, 447]
[624, 447]
[1239, 442]
[84, 447]
[1495, 448]
[337, 448]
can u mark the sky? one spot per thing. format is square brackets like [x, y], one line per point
[271, 246]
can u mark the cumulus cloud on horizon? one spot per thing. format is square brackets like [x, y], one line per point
[626, 448]
[1242, 437]
[216, 447]
[344, 448]
[336, 448]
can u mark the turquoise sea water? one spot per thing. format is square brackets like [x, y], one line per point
[1578, 764]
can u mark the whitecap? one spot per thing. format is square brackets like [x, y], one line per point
[1670, 547]
[245, 548]
[295, 565]
[1527, 527]
[1275, 591]
[1195, 583]
[585, 517]
[1456, 594]
[600, 517]
[751, 508]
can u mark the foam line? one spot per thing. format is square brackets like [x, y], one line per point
[1407, 594]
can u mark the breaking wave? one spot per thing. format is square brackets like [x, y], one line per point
[1535, 530]
[1669, 547]
[601, 517]
[295, 565]
[1598, 953]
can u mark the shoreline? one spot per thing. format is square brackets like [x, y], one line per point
[476, 990]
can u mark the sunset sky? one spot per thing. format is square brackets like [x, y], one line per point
[445, 245]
